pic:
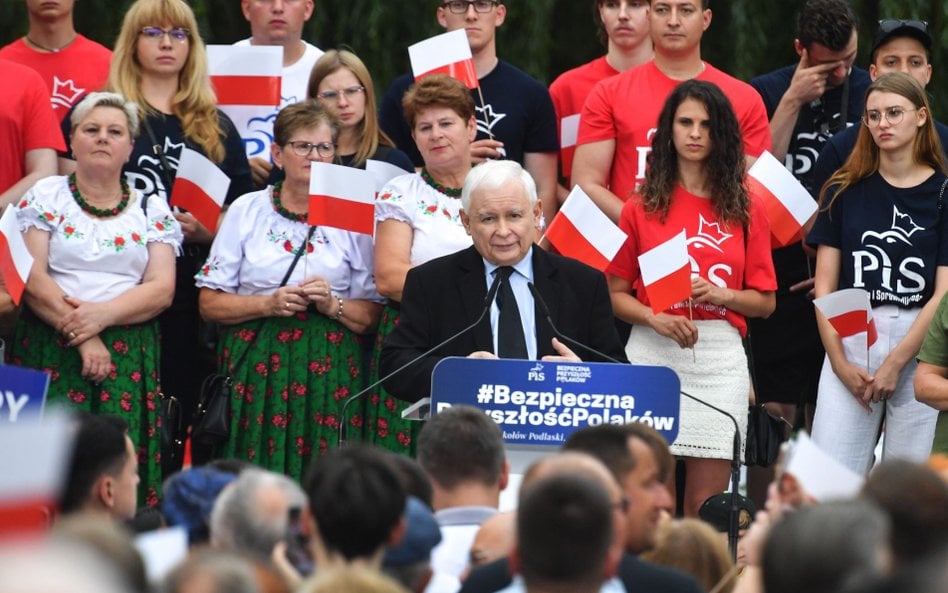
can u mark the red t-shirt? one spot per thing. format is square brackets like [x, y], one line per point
[717, 251]
[80, 68]
[625, 108]
[26, 120]
[569, 92]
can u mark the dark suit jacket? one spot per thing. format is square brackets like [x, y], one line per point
[637, 576]
[445, 295]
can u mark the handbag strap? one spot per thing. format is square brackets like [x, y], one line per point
[286, 278]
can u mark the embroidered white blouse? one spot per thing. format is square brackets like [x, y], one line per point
[255, 246]
[92, 258]
[434, 217]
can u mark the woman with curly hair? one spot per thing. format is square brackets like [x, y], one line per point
[695, 182]
[159, 62]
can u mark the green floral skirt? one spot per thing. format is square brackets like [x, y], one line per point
[130, 390]
[289, 389]
[384, 426]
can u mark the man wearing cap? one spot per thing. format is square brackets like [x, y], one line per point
[899, 46]
[807, 103]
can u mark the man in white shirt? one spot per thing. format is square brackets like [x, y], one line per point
[276, 22]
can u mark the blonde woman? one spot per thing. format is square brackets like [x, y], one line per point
[159, 61]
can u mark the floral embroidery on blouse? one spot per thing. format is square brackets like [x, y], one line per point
[282, 239]
[390, 197]
[432, 209]
[211, 265]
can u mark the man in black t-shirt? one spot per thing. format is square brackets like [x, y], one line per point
[514, 112]
[807, 103]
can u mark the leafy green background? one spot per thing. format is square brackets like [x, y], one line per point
[544, 37]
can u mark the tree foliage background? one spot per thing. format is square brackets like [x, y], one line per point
[543, 37]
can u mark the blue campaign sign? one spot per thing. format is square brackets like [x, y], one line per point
[541, 403]
[22, 393]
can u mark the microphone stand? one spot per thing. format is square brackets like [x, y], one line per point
[732, 528]
[343, 425]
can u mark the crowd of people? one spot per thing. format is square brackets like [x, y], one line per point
[132, 300]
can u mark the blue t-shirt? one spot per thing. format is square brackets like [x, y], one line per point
[889, 238]
[517, 110]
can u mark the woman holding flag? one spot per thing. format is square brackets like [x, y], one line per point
[292, 298]
[103, 271]
[418, 220]
[694, 194]
[160, 62]
[882, 228]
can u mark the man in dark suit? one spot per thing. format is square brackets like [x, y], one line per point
[501, 212]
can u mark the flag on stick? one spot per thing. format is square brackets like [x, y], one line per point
[15, 259]
[788, 204]
[200, 187]
[342, 197]
[383, 172]
[582, 231]
[246, 75]
[666, 273]
[849, 312]
[447, 53]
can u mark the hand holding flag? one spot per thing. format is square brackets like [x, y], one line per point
[788, 204]
[582, 231]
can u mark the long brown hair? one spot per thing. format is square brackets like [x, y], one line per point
[864, 159]
[195, 104]
[370, 134]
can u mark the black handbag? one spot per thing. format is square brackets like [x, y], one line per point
[211, 426]
[765, 433]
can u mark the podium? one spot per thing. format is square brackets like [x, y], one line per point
[539, 404]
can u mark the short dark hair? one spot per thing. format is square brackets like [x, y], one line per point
[297, 116]
[99, 450]
[357, 499]
[828, 22]
[564, 530]
[609, 443]
[461, 444]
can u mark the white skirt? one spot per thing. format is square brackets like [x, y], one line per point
[716, 372]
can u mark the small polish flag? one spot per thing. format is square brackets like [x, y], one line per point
[569, 130]
[33, 477]
[246, 75]
[582, 231]
[666, 273]
[788, 204]
[200, 187]
[849, 312]
[447, 53]
[383, 172]
[16, 262]
[342, 198]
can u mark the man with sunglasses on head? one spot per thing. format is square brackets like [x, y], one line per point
[275, 22]
[514, 112]
[899, 46]
[70, 64]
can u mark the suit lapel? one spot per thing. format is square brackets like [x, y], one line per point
[546, 281]
[473, 291]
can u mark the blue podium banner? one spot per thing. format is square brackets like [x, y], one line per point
[22, 393]
[541, 403]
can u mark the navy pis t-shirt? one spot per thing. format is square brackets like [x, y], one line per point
[889, 238]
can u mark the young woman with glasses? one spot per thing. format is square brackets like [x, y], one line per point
[882, 228]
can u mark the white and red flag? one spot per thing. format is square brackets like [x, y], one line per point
[246, 75]
[788, 204]
[582, 231]
[15, 259]
[666, 273]
[849, 312]
[342, 198]
[200, 187]
[447, 53]
[383, 172]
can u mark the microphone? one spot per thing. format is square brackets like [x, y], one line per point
[488, 300]
[563, 337]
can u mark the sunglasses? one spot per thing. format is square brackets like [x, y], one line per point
[889, 25]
